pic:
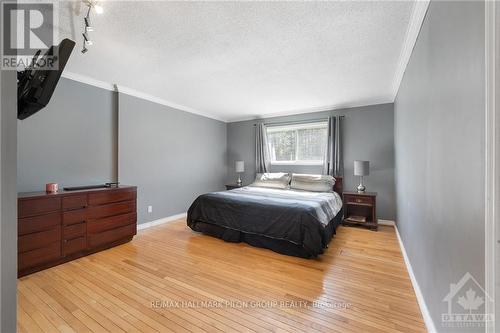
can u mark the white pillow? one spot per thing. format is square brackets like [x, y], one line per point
[314, 183]
[273, 180]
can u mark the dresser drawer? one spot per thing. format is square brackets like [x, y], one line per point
[38, 206]
[30, 225]
[74, 245]
[71, 202]
[99, 225]
[95, 240]
[359, 200]
[74, 230]
[38, 239]
[39, 256]
[111, 196]
[111, 210]
[74, 216]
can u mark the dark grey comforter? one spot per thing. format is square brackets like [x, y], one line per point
[298, 217]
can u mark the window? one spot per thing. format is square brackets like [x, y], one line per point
[298, 144]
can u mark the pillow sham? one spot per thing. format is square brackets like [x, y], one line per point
[272, 180]
[313, 183]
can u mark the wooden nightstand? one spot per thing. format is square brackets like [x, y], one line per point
[233, 186]
[360, 209]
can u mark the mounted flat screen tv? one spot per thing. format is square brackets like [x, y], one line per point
[36, 84]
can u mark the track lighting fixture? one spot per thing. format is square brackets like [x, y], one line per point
[86, 20]
[88, 26]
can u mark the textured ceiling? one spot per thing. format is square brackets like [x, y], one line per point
[238, 60]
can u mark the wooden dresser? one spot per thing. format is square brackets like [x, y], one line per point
[59, 227]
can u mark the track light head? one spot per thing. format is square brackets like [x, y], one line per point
[86, 39]
[88, 26]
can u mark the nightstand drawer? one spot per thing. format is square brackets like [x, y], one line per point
[358, 199]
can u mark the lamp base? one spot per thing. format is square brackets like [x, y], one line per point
[361, 186]
[239, 182]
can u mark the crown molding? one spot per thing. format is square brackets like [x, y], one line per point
[139, 94]
[416, 20]
[375, 101]
[135, 93]
[88, 80]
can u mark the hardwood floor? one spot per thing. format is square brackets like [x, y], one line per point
[359, 285]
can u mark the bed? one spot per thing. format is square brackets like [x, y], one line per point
[292, 222]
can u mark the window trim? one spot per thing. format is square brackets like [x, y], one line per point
[291, 127]
[298, 162]
[296, 127]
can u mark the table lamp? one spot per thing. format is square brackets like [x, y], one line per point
[361, 168]
[240, 168]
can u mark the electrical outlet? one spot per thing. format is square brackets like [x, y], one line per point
[150, 209]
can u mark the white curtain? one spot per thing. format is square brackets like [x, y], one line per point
[333, 163]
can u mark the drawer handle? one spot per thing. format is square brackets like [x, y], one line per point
[75, 208]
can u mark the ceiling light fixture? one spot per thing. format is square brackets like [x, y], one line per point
[86, 20]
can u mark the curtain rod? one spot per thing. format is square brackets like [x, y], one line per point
[298, 121]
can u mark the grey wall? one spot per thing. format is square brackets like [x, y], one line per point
[73, 141]
[439, 140]
[368, 135]
[8, 201]
[171, 155]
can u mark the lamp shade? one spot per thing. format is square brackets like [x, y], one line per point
[361, 168]
[240, 166]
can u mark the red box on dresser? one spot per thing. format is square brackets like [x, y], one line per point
[54, 228]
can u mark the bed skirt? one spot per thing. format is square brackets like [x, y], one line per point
[276, 245]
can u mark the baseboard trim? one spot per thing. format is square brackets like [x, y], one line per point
[387, 222]
[160, 221]
[429, 323]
